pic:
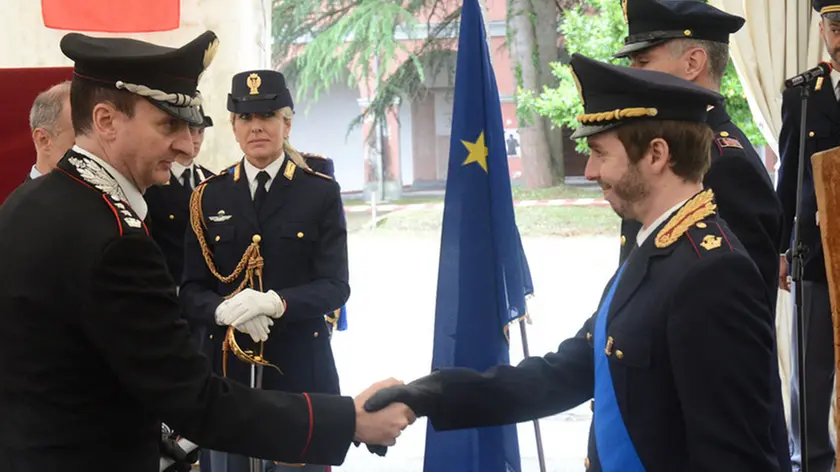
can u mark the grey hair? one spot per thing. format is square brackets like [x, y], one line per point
[48, 106]
[718, 54]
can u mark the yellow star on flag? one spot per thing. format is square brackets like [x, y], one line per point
[477, 152]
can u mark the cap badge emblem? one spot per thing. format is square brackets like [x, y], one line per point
[254, 83]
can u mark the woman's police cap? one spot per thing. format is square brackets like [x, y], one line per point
[614, 95]
[167, 77]
[258, 91]
[650, 23]
[828, 8]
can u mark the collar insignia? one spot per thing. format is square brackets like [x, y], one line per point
[289, 172]
[698, 208]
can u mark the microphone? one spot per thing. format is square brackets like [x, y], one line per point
[823, 68]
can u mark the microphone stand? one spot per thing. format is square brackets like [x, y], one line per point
[797, 262]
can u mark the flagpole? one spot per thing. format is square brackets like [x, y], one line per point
[537, 433]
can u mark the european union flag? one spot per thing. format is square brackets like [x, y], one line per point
[482, 272]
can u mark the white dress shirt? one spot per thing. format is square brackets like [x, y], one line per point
[251, 173]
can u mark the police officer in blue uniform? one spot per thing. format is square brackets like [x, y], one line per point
[169, 203]
[679, 357]
[665, 36]
[267, 255]
[822, 132]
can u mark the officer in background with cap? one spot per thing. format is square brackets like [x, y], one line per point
[169, 203]
[679, 357]
[169, 216]
[690, 39]
[272, 213]
[95, 355]
[822, 132]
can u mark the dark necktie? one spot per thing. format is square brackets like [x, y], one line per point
[185, 179]
[261, 193]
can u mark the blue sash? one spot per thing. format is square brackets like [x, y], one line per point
[615, 449]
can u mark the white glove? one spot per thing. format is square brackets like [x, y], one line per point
[258, 328]
[249, 304]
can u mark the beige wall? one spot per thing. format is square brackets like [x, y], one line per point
[239, 24]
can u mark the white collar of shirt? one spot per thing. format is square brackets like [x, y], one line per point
[132, 193]
[251, 172]
[645, 232]
[178, 169]
[34, 174]
[835, 79]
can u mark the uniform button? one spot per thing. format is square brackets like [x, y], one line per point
[589, 336]
[300, 235]
[687, 32]
[315, 334]
[218, 238]
[211, 336]
[724, 134]
[811, 134]
[586, 463]
[701, 225]
[623, 240]
[619, 354]
[171, 217]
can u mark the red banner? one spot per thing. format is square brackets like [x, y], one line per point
[109, 16]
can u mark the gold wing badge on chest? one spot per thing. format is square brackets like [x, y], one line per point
[694, 210]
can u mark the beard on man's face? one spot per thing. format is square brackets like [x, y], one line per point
[630, 189]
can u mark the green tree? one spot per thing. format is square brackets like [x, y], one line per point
[596, 29]
[316, 43]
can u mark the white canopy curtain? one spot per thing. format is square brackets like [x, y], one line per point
[779, 40]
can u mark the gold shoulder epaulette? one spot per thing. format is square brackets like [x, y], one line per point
[708, 237]
[319, 174]
[695, 210]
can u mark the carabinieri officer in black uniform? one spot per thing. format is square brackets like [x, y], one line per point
[822, 132]
[267, 255]
[679, 357]
[95, 352]
[674, 36]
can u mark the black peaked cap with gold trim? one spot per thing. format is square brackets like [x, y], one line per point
[613, 95]
[653, 22]
[828, 8]
[167, 77]
[258, 91]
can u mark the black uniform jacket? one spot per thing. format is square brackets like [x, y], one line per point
[169, 217]
[95, 353]
[822, 132]
[692, 358]
[745, 196]
[304, 248]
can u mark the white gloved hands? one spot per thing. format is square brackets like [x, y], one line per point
[250, 311]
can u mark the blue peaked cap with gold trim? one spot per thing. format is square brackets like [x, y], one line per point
[829, 9]
[650, 23]
[613, 95]
[259, 91]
